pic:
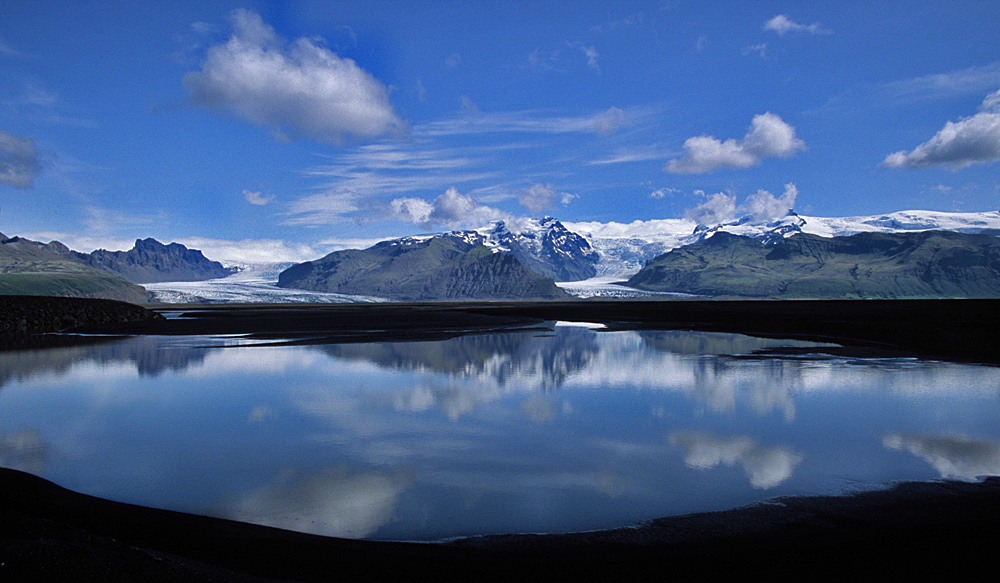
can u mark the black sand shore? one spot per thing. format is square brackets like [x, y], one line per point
[942, 528]
[950, 329]
[928, 529]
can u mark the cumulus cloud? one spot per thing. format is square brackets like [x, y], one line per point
[540, 197]
[719, 208]
[782, 25]
[768, 137]
[299, 90]
[255, 197]
[452, 208]
[763, 206]
[760, 207]
[972, 140]
[19, 161]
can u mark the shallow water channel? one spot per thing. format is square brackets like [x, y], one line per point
[533, 431]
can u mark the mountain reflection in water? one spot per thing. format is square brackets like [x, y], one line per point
[525, 431]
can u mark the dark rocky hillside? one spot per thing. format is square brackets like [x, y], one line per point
[431, 269]
[928, 264]
[150, 261]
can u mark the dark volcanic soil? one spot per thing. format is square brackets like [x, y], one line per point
[23, 318]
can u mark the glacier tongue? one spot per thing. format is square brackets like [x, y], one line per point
[613, 251]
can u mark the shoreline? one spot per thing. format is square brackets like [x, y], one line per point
[911, 528]
[951, 329]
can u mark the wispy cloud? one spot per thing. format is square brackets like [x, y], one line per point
[298, 90]
[972, 140]
[768, 137]
[401, 179]
[759, 49]
[783, 25]
[975, 79]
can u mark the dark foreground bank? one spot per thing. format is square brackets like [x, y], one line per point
[51, 534]
[952, 329]
[24, 320]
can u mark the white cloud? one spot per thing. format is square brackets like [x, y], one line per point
[540, 197]
[662, 192]
[19, 161]
[972, 140]
[251, 250]
[961, 82]
[760, 207]
[610, 121]
[769, 136]
[719, 208]
[760, 49]
[255, 197]
[302, 89]
[322, 209]
[452, 208]
[781, 24]
[763, 206]
[412, 210]
[589, 52]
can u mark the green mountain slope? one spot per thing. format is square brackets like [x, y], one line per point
[927, 264]
[36, 269]
[434, 269]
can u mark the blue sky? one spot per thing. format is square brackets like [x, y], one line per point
[301, 127]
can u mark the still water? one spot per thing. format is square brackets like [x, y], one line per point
[535, 431]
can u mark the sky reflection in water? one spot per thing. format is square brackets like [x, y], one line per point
[518, 432]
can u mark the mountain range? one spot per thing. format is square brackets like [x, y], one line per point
[524, 259]
[924, 264]
[32, 268]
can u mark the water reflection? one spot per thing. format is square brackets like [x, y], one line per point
[765, 466]
[953, 456]
[23, 450]
[515, 432]
[332, 502]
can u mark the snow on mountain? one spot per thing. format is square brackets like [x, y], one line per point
[624, 248]
[587, 258]
[543, 245]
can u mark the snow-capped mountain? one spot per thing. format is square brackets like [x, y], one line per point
[625, 247]
[588, 258]
[545, 246]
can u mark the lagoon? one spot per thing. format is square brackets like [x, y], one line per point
[565, 429]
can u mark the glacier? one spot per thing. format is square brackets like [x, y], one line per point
[616, 251]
